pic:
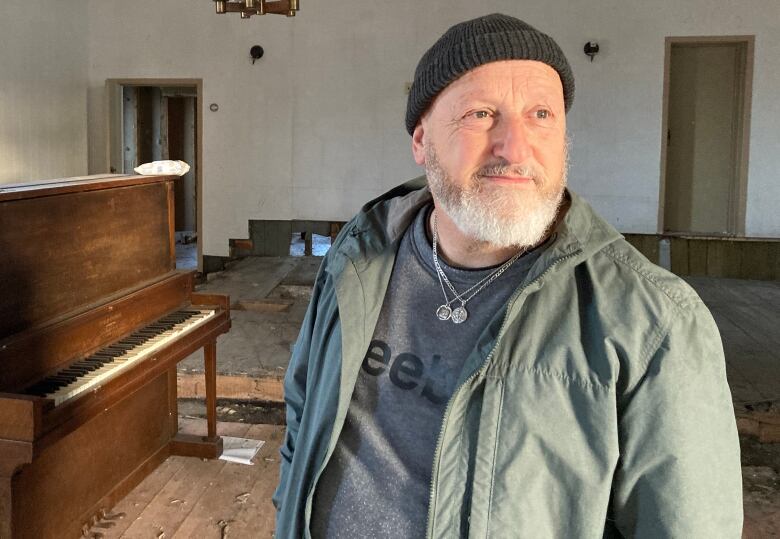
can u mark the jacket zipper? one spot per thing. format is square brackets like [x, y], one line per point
[480, 370]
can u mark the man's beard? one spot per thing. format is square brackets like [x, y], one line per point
[496, 214]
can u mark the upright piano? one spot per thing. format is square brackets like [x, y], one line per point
[93, 320]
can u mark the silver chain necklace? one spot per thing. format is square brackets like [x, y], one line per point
[459, 314]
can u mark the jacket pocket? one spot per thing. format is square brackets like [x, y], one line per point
[554, 454]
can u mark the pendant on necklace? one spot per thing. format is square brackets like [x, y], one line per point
[459, 315]
[444, 312]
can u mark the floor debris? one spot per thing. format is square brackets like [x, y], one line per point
[224, 526]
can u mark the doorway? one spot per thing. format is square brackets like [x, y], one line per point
[707, 89]
[160, 119]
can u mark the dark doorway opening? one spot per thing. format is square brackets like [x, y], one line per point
[159, 120]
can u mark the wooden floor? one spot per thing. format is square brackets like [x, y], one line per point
[187, 497]
[748, 317]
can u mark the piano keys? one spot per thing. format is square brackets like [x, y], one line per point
[93, 320]
[106, 363]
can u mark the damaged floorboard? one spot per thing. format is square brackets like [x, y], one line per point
[190, 497]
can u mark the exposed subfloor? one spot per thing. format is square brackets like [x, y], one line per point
[269, 296]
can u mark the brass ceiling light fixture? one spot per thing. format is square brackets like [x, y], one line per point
[247, 8]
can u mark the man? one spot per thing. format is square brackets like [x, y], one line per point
[486, 357]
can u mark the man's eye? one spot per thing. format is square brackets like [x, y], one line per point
[481, 114]
[543, 114]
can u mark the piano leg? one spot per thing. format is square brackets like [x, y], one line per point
[13, 455]
[209, 446]
[210, 358]
[6, 506]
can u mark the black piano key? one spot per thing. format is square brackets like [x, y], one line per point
[65, 379]
[87, 366]
[79, 365]
[71, 377]
[109, 352]
[102, 363]
[74, 371]
[83, 369]
[102, 360]
[54, 385]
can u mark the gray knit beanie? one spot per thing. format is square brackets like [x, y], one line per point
[479, 41]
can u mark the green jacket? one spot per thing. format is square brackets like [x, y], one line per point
[596, 406]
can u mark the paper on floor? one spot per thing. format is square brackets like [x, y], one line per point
[240, 450]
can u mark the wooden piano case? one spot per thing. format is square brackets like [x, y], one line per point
[85, 262]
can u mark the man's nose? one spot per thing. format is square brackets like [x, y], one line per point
[511, 140]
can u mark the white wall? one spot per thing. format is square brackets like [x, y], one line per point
[43, 89]
[315, 128]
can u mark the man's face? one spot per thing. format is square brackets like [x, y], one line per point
[494, 147]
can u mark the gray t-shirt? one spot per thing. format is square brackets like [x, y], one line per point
[377, 481]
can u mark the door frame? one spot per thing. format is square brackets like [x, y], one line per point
[742, 129]
[114, 121]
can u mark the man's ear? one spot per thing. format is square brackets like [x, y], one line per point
[418, 150]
